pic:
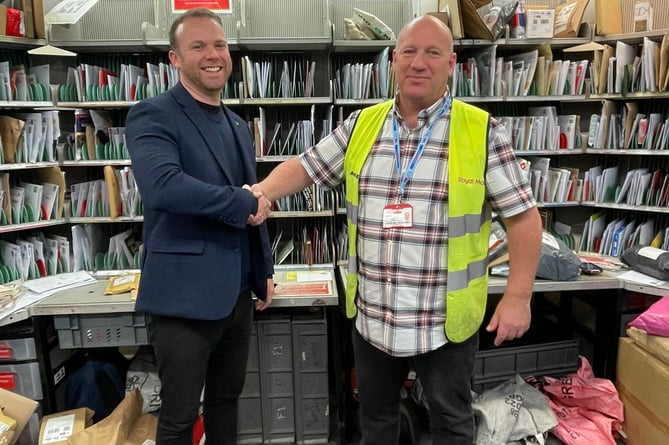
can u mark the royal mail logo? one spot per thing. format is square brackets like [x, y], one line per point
[470, 181]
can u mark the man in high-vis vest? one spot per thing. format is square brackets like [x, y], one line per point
[422, 174]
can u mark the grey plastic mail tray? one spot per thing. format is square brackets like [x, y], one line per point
[100, 330]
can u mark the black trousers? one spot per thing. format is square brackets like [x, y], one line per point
[446, 376]
[196, 353]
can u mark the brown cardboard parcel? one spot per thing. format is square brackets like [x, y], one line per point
[643, 385]
[38, 15]
[18, 408]
[56, 428]
[657, 346]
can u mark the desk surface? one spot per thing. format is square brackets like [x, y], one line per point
[90, 299]
[16, 316]
[606, 280]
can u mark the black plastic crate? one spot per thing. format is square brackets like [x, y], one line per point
[495, 366]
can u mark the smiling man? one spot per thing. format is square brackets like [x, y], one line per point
[422, 173]
[206, 247]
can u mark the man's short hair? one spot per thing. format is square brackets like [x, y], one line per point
[191, 13]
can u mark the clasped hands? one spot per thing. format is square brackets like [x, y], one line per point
[264, 205]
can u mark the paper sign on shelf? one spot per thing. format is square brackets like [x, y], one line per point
[218, 6]
[68, 12]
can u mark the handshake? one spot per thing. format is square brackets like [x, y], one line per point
[264, 205]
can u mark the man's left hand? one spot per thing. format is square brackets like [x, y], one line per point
[511, 319]
[262, 305]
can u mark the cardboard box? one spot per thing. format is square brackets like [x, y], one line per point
[18, 408]
[455, 19]
[473, 26]
[3, 20]
[7, 428]
[28, 19]
[55, 429]
[654, 344]
[38, 15]
[643, 385]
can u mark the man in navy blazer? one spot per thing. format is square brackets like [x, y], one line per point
[206, 246]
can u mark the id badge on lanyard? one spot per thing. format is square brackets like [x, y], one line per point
[398, 215]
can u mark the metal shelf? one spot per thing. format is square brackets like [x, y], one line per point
[300, 214]
[27, 165]
[103, 219]
[97, 163]
[632, 37]
[611, 205]
[32, 225]
[10, 42]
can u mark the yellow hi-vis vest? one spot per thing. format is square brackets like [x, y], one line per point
[469, 215]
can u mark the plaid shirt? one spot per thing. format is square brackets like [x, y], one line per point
[402, 272]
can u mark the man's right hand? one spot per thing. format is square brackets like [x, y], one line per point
[264, 205]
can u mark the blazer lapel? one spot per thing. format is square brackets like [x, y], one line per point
[197, 116]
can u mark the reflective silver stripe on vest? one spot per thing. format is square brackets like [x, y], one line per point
[459, 279]
[352, 265]
[352, 214]
[351, 211]
[462, 225]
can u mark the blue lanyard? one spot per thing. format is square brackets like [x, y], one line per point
[404, 178]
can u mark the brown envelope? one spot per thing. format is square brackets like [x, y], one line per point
[632, 111]
[113, 192]
[54, 175]
[126, 425]
[6, 200]
[90, 142]
[664, 64]
[10, 132]
[609, 19]
[568, 18]
[608, 52]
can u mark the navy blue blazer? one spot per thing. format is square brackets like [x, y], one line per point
[194, 215]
